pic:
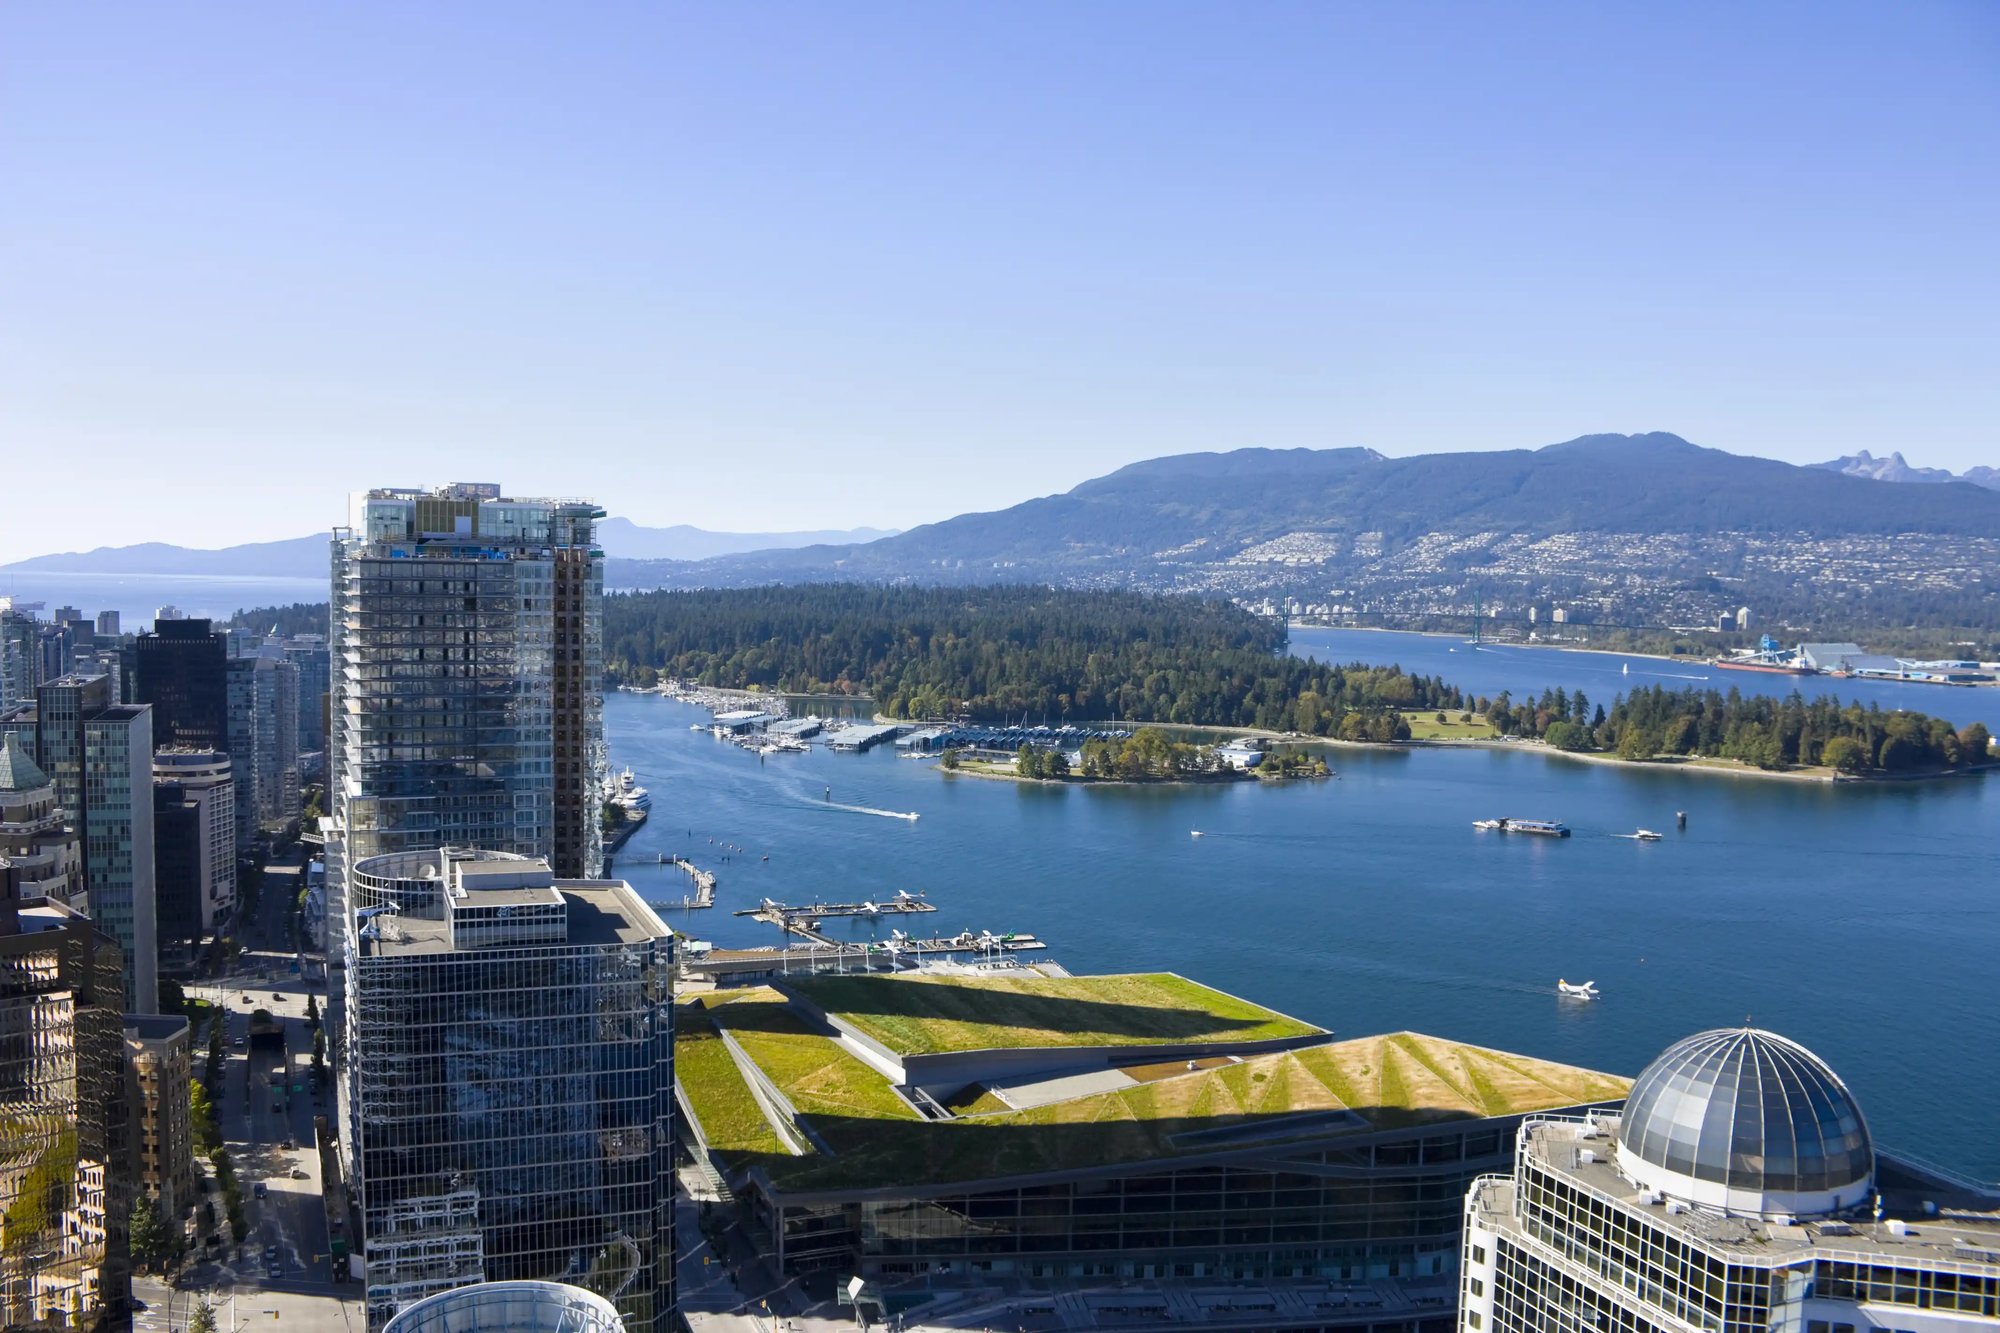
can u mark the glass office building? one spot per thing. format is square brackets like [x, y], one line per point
[510, 1081]
[465, 694]
[65, 1141]
[1738, 1190]
[99, 753]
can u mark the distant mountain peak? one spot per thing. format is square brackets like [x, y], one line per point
[1893, 467]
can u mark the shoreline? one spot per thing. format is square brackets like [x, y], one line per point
[1683, 659]
[1690, 764]
[993, 775]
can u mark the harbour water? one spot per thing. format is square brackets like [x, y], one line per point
[1862, 920]
[1489, 668]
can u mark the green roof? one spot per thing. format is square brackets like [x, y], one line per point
[925, 1015]
[861, 1133]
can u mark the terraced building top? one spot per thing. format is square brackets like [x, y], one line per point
[819, 1118]
[925, 1015]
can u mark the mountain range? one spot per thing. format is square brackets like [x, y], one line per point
[305, 557]
[1641, 529]
[1893, 468]
[1637, 528]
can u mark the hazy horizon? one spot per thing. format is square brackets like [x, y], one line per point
[789, 267]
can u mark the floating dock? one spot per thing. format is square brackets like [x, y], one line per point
[739, 966]
[793, 918]
[866, 736]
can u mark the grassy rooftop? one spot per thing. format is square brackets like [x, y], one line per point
[929, 1014]
[1389, 1082]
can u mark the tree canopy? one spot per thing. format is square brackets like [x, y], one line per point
[1001, 653]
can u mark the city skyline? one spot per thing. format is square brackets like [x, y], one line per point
[292, 256]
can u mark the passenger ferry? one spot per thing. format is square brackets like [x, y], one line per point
[1547, 828]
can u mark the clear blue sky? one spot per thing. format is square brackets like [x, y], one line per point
[759, 266]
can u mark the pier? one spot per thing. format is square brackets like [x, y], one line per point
[725, 967]
[704, 882]
[798, 920]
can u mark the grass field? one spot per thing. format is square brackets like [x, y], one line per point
[921, 1016]
[812, 1070]
[1426, 727]
[729, 1115]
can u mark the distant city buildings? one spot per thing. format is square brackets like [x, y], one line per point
[99, 754]
[1737, 1189]
[65, 1121]
[509, 1081]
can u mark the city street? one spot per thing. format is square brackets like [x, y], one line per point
[266, 1099]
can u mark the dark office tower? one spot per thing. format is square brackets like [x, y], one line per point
[100, 755]
[65, 1141]
[181, 676]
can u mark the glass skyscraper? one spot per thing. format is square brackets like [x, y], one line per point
[65, 1132]
[466, 685]
[99, 753]
[509, 1081]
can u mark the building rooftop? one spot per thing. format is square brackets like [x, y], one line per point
[1965, 1225]
[921, 1015]
[837, 1122]
[601, 912]
[155, 1027]
[17, 771]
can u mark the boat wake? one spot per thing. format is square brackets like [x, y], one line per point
[909, 815]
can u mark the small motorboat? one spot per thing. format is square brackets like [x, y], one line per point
[1578, 990]
[1194, 833]
[1646, 835]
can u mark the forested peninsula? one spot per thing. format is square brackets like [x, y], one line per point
[995, 654]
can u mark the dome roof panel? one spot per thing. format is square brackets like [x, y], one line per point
[1750, 1112]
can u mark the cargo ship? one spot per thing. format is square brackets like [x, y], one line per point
[1758, 663]
[1769, 659]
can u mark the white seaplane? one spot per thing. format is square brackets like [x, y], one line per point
[1577, 990]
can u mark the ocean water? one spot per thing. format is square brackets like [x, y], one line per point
[136, 596]
[1861, 920]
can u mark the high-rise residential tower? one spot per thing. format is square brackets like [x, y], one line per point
[100, 755]
[466, 696]
[1738, 1189]
[509, 1081]
[65, 1141]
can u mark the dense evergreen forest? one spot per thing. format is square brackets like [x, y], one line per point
[999, 653]
[1755, 729]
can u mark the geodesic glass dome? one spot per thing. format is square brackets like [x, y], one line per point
[1746, 1121]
